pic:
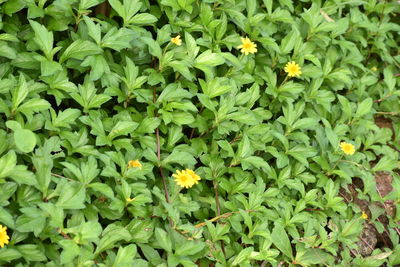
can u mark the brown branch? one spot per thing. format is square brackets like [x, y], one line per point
[236, 138]
[366, 243]
[66, 236]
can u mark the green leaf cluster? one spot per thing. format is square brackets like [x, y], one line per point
[86, 86]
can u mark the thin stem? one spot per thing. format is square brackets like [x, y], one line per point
[387, 113]
[217, 198]
[285, 80]
[166, 193]
[60, 176]
[334, 166]
[218, 209]
[355, 163]
[175, 194]
[222, 216]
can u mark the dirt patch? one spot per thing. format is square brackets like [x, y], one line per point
[383, 122]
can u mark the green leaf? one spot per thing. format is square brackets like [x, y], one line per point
[94, 30]
[111, 235]
[163, 239]
[154, 47]
[6, 218]
[244, 255]
[9, 254]
[215, 87]
[31, 223]
[70, 251]
[31, 252]
[122, 128]
[102, 188]
[66, 117]
[126, 10]
[125, 256]
[79, 50]
[86, 4]
[33, 105]
[7, 51]
[364, 107]
[281, 240]
[386, 164]
[25, 140]
[43, 38]
[209, 58]
[142, 19]
[181, 157]
[72, 196]
[117, 39]
[19, 93]
[189, 248]
[289, 41]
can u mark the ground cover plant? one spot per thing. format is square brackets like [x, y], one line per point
[199, 133]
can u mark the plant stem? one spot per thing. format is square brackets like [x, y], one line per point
[336, 163]
[215, 183]
[166, 193]
[222, 216]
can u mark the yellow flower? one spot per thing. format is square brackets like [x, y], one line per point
[129, 199]
[293, 69]
[177, 40]
[364, 215]
[347, 148]
[195, 177]
[374, 68]
[247, 46]
[134, 164]
[186, 178]
[4, 238]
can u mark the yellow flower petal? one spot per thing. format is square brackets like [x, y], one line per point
[186, 178]
[293, 69]
[134, 164]
[247, 46]
[4, 238]
[347, 148]
[364, 215]
[177, 40]
[130, 199]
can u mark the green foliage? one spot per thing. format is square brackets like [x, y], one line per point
[86, 86]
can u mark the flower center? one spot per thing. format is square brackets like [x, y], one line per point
[184, 178]
[247, 45]
[293, 69]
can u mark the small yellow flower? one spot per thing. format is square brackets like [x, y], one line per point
[293, 69]
[177, 40]
[134, 164]
[364, 215]
[130, 199]
[247, 46]
[347, 148]
[195, 177]
[374, 68]
[186, 178]
[4, 238]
